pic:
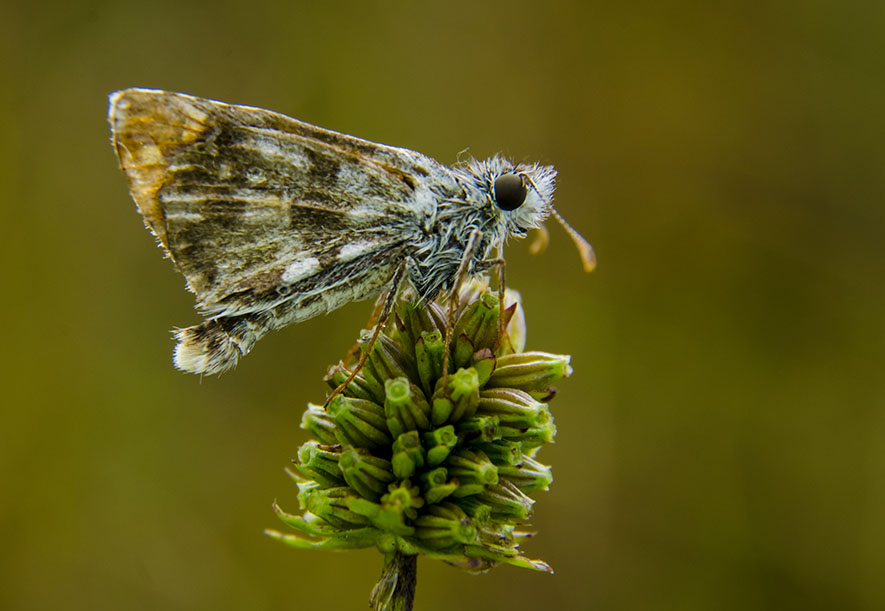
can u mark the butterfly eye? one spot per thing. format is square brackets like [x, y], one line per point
[510, 191]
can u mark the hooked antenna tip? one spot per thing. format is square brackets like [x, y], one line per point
[585, 249]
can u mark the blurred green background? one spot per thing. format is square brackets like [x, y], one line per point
[722, 442]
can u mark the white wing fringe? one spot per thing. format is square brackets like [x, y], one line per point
[215, 345]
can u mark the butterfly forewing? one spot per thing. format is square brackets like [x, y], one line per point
[255, 207]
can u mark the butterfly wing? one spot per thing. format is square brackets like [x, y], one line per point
[255, 207]
[271, 220]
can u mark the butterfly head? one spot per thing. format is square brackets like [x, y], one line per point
[520, 198]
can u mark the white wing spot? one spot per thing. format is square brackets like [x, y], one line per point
[187, 216]
[301, 268]
[266, 218]
[353, 250]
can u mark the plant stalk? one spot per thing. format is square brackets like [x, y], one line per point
[395, 590]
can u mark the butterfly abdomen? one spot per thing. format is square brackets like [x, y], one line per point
[216, 345]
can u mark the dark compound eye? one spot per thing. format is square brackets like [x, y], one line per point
[510, 191]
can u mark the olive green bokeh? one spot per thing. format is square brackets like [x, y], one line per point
[720, 444]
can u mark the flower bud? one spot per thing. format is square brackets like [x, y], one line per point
[360, 423]
[532, 437]
[388, 360]
[529, 475]
[429, 352]
[330, 504]
[473, 470]
[367, 474]
[396, 507]
[458, 399]
[530, 371]
[363, 386]
[506, 501]
[514, 408]
[502, 451]
[414, 320]
[437, 485]
[319, 424]
[408, 455]
[462, 351]
[478, 326]
[405, 407]
[405, 497]
[320, 463]
[478, 429]
[444, 525]
[439, 443]
[475, 508]
[484, 363]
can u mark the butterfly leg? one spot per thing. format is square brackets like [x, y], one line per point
[386, 310]
[502, 289]
[463, 267]
[373, 320]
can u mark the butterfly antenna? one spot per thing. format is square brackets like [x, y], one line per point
[588, 257]
[585, 249]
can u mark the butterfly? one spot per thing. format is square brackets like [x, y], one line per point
[273, 221]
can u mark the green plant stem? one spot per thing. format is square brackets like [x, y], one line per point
[395, 590]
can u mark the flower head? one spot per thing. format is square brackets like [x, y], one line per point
[412, 461]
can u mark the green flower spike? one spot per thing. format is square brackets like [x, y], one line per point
[413, 461]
